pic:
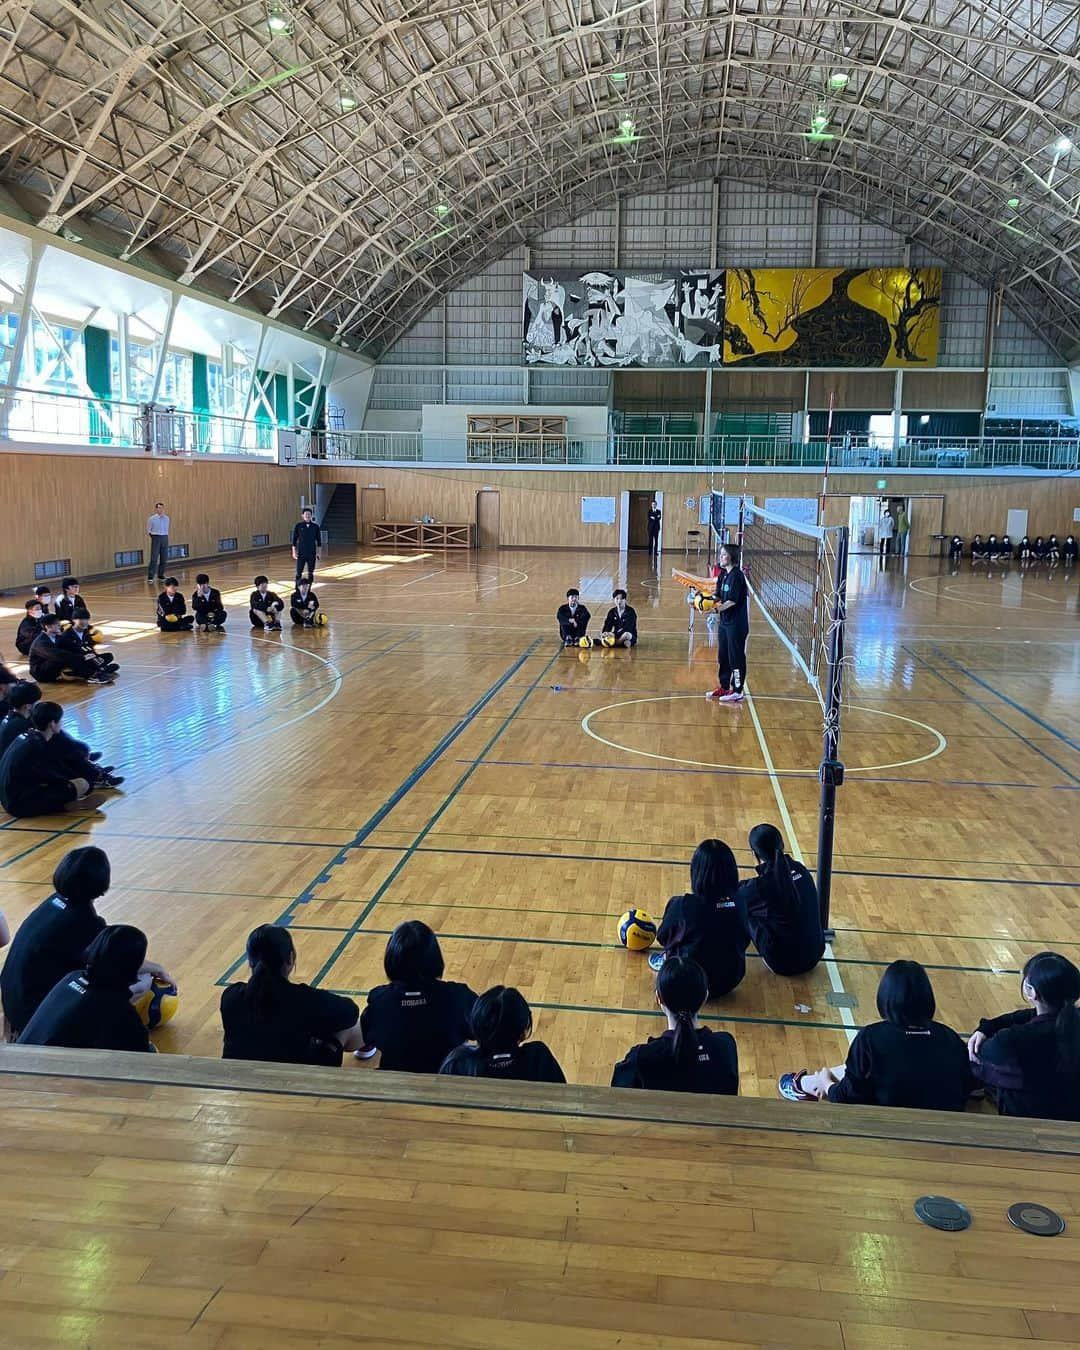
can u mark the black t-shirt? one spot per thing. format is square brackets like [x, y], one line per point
[416, 1026]
[305, 538]
[1019, 1061]
[81, 1017]
[712, 934]
[532, 1062]
[732, 586]
[924, 1067]
[14, 724]
[788, 936]
[28, 766]
[652, 1065]
[50, 941]
[302, 1030]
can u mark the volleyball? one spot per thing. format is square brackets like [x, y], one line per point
[637, 930]
[704, 603]
[172, 618]
[608, 639]
[96, 636]
[321, 620]
[158, 1005]
[584, 642]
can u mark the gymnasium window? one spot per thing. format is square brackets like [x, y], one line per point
[58, 567]
[177, 551]
[176, 380]
[226, 545]
[9, 331]
[260, 541]
[131, 558]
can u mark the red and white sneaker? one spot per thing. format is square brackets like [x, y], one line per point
[718, 693]
[735, 696]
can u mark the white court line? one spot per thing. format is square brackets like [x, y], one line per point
[427, 575]
[793, 842]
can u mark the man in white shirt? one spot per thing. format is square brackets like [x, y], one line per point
[157, 527]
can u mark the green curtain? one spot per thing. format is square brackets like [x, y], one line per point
[200, 401]
[97, 345]
[281, 400]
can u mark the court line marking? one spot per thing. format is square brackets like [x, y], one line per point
[921, 660]
[950, 593]
[1019, 707]
[941, 746]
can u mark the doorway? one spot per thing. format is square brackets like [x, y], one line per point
[863, 516]
[638, 529]
[372, 510]
[487, 518]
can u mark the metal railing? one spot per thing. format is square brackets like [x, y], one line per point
[29, 416]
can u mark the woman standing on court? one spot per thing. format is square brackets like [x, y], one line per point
[1030, 1060]
[782, 908]
[709, 924]
[732, 604]
[687, 1057]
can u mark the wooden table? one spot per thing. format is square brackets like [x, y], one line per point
[413, 534]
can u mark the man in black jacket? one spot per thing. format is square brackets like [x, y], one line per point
[306, 545]
[31, 782]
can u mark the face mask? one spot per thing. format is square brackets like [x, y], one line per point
[35, 614]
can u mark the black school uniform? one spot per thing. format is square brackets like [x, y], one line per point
[83, 1016]
[532, 1062]
[416, 1026]
[627, 623]
[14, 724]
[70, 756]
[303, 609]
[29, 628]
[925, 1067]
[1019, 1062]
[302, 1030]
[956, 548]
[31, 784]
[50, 941]
[573, 623]
[713, 934]
[652, 1065]
[1069, 550]
[264, 609]
[208, 609]
[79, 650]
[733, 629]
[72, 607]
[48, 660]
[173, 606]
[789, 937]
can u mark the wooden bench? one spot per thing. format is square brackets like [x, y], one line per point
[416, 534]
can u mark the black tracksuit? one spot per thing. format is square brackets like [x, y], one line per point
[733, 629]
[70, 756]
[208, 609]
[265, 609]
[416, 1026]
[1018, 1062]
[303, 610]
[925, 1067]
[532, 1062]
[306, 539]
[573, 623]
[627, 623]
[29, 628]
[173, 607]
[712, 933]
[302, 1028]
[31, 783]
[83, 1016]
[652, 1065]
[50, 941]
[788, 936]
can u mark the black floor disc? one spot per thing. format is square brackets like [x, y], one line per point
[1036, 1219]
[938, 1211]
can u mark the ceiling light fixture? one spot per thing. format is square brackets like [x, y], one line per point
[347, 99]
[442, 210]
[278, 19]
[839, 79]
[1064, 146]
[627, 132]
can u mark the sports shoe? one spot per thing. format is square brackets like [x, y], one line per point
[99, 679]
[734, 696]
[718, 692]
[789, 1085]
[657, 959]
[568, 642]
[366, 1052]
[94, 756]
[112, 780]
[273, 628]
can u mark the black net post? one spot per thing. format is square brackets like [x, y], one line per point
[832, 770]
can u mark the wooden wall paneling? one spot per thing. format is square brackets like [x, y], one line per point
[779, 388]
[863, 390]
[951, 390]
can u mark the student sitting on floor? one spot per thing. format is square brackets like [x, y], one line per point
[501, 1025]
[1038, 548]
[304, 605]
[573, 619]
[907, 1059]
[993, 548]
[708, 925]
[978, 549]
[687, 1057]
[90, 1009]
[782, 908]
[54, 936]
[206, 603]
[621, 621]
[418, 1018]
[1069, 551]
[78, 642]
[29, 627]
[1025, 548]
[71, 604]
[271, 1018]
[956, 548]
[1053, 549]
[43, 595]
[1005, 548]
[8, 680]
[1030, 1060]
[266, 607]
[50, 661]
[72, 757]
[172, 615]
[31, 783]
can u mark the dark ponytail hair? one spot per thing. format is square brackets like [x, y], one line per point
[767, 843]
[682, 988]
[714, 873]
[500, 1021]
[1056, 982]
[115, 957]
[269, 951]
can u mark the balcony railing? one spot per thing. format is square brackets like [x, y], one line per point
[37, 417]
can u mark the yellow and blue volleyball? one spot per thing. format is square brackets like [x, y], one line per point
[703, 603]
[637, 930]
[608, 639]
[96, 636]
[321, 620]
[158, 1005]
[584, 642]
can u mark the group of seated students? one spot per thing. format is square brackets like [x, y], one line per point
[620, 625]
[43, 769]
[995, 549]
[208, 613]
[60, 642]
[70, 980]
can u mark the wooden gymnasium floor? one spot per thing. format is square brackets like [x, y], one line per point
[428, 756]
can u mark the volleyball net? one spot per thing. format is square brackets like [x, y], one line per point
[796, 571]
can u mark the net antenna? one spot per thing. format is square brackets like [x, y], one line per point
[796, 570]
